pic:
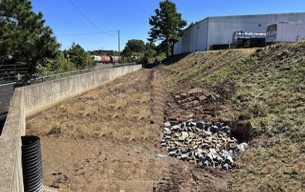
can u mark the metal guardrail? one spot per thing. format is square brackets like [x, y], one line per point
[4, 82]
[77, 72]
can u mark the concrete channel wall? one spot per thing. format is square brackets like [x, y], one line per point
[29, 100]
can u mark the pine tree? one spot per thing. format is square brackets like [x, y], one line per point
[166, 25]
[133, 47]
[79, 56]
[23, 34]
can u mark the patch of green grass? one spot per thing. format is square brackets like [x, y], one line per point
[55, 129]
[197, 65]
[227, 74]
[273, 97]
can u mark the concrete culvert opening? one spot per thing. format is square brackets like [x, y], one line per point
[204, 143]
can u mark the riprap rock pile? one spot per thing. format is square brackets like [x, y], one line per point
[204, 143]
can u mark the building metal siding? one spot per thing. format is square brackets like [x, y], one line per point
[285, 32]
[186, 41]
[193, 39]
[219, 30]
[202, 38]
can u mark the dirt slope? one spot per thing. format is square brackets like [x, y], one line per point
[109, 139]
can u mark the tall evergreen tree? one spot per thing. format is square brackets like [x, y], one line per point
[23, 34]
[166, 25]
[79, 56]
[137, 50]
[136, 45]
[133, 47]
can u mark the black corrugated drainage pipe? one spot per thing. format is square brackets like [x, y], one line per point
[31, 163]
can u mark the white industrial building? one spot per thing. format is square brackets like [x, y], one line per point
[213, 31]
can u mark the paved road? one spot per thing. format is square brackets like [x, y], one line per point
[6, 93]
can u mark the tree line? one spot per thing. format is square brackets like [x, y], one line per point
[25, 38]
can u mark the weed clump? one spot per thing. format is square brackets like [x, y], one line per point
[55, 129]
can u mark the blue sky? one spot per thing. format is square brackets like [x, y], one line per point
[96, 27]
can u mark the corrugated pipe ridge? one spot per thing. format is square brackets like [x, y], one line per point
[31, 163]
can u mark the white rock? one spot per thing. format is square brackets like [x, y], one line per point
[167, 124]
[183, 136]
[242, 146]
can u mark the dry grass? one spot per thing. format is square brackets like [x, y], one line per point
[121, 114]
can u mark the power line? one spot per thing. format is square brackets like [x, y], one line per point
[89, 33]
[72, 3]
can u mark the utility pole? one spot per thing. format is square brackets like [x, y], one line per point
[119, 41]
[119, 45]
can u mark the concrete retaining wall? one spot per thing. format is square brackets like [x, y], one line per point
[27, 101]
[10, 146]
[41, 96]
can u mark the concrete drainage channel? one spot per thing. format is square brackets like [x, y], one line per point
[203, 143]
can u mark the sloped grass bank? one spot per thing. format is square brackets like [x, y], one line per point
[270, 95]
[196, 65]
